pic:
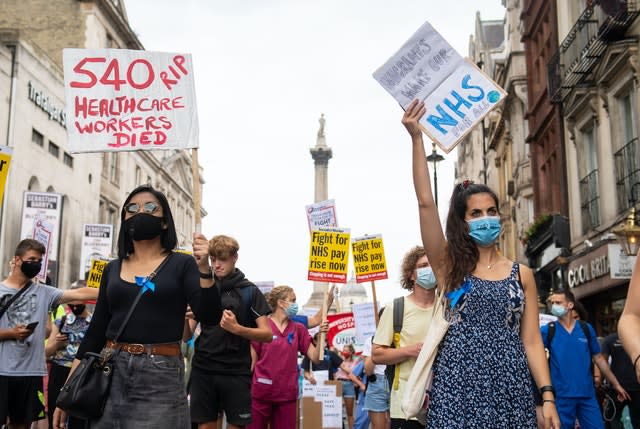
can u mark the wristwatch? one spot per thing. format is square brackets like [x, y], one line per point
[208, 275]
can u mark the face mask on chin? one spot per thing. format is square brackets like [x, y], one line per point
[143, 226]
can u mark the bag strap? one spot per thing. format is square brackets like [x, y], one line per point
[398, 318]
[246, 293]
[149, 278]
[14, 298]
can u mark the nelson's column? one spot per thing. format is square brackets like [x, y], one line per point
[321, 155]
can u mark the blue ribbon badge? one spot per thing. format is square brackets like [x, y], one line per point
[146, 284]
[455, 295]
[290, 338]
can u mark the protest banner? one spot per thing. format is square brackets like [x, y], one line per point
[342, 330]
[119, 99]
[368, 258]
[457, 94]
[544, 319]
[265, 286]
[43, 232]
[329, 255]
[47, 207]
[5, 161]
[95, 273]
[124, 100]
[365, 321]
[97, 243]
[322, 214]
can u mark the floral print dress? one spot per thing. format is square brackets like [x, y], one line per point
[481, 376]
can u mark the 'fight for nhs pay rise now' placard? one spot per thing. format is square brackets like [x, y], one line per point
[329, 255]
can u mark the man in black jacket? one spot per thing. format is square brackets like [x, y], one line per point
[221, 374]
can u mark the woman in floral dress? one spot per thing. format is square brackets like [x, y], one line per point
[493, 345]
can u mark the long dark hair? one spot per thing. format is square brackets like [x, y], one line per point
[462, 251]
[168, 237]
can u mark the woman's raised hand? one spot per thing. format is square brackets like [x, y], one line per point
[412, 115]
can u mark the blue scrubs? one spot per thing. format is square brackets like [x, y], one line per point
[571, 375]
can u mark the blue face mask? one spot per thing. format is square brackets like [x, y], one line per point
[558, 310]
[292, 309]
[484, 231]
[425, 278]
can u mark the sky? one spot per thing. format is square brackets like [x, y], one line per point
[265, 71]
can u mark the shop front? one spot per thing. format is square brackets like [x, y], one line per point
[599, 279]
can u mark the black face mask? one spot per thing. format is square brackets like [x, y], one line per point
[30, 269]
[143, 226]
[77, 309]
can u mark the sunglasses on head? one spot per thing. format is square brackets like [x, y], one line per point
[149, 207]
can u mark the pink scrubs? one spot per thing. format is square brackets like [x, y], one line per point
[274, 388]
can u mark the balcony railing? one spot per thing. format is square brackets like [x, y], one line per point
[585, 44]
[589, 201]
[627, 174]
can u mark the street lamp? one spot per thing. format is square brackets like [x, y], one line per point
[628, 232]
[435, 157]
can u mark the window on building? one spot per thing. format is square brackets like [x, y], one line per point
[67, 159]
[114, 171]
[138, 176]
[626, 158]
[588, 172]
[37, 138]
[54, 149]
[102, 213]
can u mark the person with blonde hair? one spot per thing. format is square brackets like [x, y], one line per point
[274, 385]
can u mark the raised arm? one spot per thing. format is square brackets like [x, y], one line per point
[431, 232]
[629, 323]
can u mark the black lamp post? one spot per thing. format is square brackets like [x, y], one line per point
[435, 157]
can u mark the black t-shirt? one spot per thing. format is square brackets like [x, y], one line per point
[331, 362]
[159, 315]
[621, 364]
[218, 351]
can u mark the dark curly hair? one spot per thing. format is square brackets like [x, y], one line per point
[409, 265]
[462, 252]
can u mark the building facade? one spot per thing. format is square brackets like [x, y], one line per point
[32, 121]
[496, 153]
[547, 238]
[593, 78]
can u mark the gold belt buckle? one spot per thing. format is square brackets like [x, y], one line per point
[135, 349]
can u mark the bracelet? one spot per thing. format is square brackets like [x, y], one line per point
[208, 275]
[548, 388]
[549, 400]
[635, 361]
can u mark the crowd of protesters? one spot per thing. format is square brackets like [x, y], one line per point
[248, 352]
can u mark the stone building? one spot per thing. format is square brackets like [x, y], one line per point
[495, 152]
[93, 186]
[593, 80]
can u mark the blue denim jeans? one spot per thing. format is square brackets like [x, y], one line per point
[147, 391]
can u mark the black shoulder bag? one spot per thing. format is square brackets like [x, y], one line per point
[14, 298]
[86, 391]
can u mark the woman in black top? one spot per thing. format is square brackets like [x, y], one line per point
[147, 389]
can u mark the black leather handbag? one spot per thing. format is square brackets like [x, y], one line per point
[85, 393]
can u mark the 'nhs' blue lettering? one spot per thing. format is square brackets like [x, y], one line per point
[456, 105]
